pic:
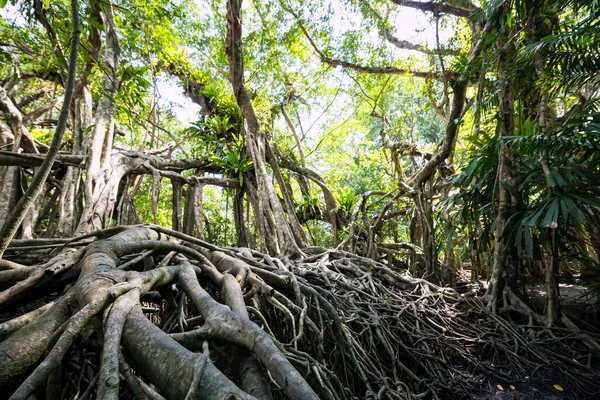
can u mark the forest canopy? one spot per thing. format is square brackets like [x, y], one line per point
[263, 199]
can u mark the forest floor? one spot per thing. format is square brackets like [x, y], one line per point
[576, 301]
[366, 326]
[570, 293]
[581, 305]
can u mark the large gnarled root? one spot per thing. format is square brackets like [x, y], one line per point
[331, 325]
[101, 282]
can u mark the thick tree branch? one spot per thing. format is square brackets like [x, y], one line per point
[287, 242]
[446, 145]
[403, 44]
[389, 70]
[406, 45]
[191, 86]
[465, 10]
[40, 13]
[33, 116]
[363, 68]
[8, 158]
[51, 76]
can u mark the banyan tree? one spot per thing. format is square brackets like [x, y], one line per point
[120, 277]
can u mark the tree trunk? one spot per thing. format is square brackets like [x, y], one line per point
[177, 200]
[82, 119]
[6, 173]
[269, 205]
[504, 263]
[102, 134]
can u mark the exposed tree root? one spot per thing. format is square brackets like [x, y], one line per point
[235, 323]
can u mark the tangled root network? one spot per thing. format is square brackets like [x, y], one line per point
[146, 312]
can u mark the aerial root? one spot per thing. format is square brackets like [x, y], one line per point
[332, 325]
[108, 385]
[53, 360]
[198, 372]
[13, 325]
[138, 387]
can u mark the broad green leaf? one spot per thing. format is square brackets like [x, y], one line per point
[533, 219]
[528, 242]
[551, 216]
[574, 211]
[564, 211]
[560, 182]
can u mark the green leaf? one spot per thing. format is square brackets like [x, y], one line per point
[94, 22]
[466, 174]
[46, 4]
[528, 242]
[552, 214]
[3, 3]
[560, 182]
[533, 219]
[509, 20]
[564, 210]
[574, 211]
[585, 199]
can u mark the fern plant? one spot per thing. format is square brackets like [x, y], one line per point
[233, 159]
